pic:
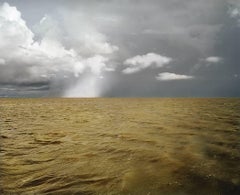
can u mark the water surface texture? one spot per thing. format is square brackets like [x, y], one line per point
[120, 146]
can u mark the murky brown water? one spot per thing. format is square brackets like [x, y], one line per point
[120, 146]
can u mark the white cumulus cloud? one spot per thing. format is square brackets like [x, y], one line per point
[167, 76]
[213, 59]
[138, 63]
[28, 55]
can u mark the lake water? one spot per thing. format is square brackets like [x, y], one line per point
[120, 146]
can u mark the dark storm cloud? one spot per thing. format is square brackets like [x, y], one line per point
[200, 38]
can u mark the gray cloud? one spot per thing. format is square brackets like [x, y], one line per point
[82, 48]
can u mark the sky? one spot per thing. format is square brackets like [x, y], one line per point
[127, 48]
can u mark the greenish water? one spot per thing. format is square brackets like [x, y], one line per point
[120, 146]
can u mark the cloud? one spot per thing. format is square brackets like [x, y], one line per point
[205, 64]
[2, 61]
[28, 56]
[139, 63]
[234, 8]
[61, 43]
[213, 59]
[83, 35]
[14, 32]
[234, 13]
[167, 76]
